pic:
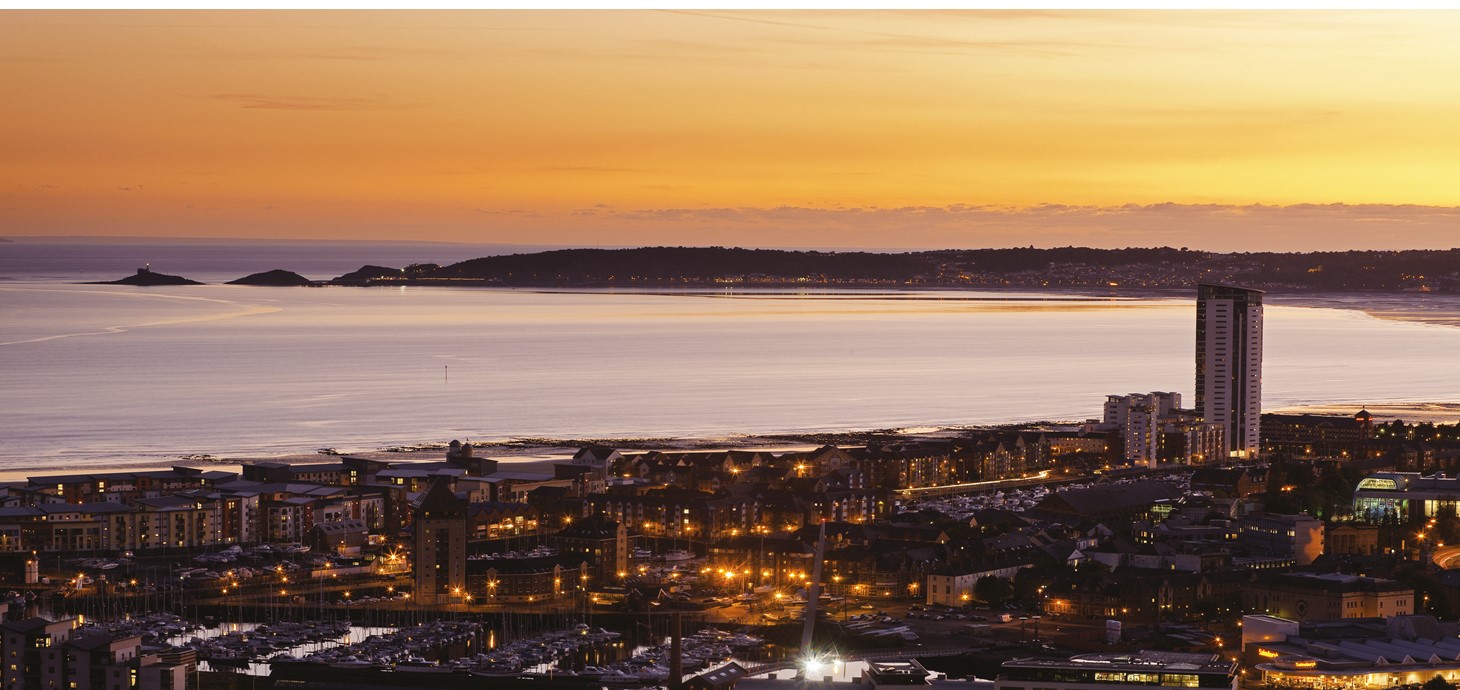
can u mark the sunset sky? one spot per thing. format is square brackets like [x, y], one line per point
[834, 129]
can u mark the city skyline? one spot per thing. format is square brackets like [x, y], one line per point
[1224, 131]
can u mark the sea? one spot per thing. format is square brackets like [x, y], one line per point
[112, 376]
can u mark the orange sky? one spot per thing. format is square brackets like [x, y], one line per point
[1220, 130]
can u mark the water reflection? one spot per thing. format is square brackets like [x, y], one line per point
[676, 365]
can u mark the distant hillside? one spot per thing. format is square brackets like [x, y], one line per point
[1082, 267]
[367, 275]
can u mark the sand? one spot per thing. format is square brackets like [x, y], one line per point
[1415, 307]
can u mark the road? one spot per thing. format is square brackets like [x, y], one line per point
[1446, 557]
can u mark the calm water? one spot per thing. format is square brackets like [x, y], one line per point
[106, 374]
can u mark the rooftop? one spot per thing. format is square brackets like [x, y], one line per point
[1135, 661]
[1337, 582]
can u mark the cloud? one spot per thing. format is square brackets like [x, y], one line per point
[509, 212]
[587, 169]
[344, 53]
[249, 101]
[850, 35]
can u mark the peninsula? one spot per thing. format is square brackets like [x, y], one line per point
[1060, 267]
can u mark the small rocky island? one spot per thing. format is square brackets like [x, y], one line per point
[275, 278]
[146, 277]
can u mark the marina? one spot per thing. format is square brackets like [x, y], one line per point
[441, 647]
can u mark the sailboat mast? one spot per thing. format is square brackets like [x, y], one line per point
[814, 595]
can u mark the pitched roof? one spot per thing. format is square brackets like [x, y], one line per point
[441, 501]
[527, 565]
[599, 453]
[723, 677]
[52, 508]
[351, 525]
[1109, 498]
[591, 527]
[27, 625]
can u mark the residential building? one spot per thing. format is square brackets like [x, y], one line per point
[174, 669]
[1228, 482]
[1132, 594]
[1229, 364]
[955, 587]
[23, 644]
[1136, 419]
[1187, 437]
[602, 542]
[526, 580]
[93, 662]
[1299, 537]
[439, 528]
[1317, 435]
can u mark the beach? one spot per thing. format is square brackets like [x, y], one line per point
[1412, 307]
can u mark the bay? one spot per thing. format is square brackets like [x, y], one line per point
[120, 375]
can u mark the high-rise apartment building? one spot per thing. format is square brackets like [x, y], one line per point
[1153, 428]
[1229, 363]
[1137, 417]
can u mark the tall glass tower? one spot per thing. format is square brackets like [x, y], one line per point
[1229, 363]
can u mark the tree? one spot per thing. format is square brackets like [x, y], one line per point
[992, 590]
[1437, 683]
[1028, 582]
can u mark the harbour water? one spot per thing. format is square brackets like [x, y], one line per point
[98, 375]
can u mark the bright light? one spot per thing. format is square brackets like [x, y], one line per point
[813, 666]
